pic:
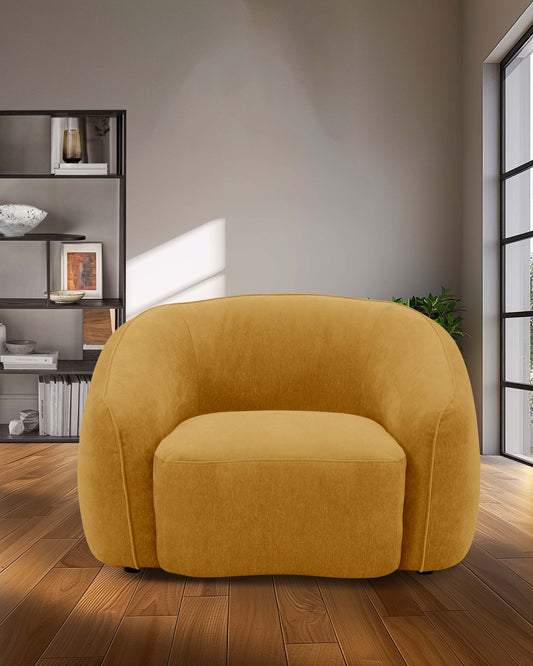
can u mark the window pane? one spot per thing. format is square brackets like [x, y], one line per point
[518, 358]
[518, 208]
[518, 146]
[518, 276]
[518, 422]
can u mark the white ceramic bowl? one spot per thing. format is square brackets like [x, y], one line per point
[66, 296]
[19, 219]
[20, 346]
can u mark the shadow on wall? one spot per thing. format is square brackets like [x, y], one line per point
[189, 267]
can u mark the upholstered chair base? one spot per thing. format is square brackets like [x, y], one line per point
[279, 492]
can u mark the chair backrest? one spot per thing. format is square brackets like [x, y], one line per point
[312, 352]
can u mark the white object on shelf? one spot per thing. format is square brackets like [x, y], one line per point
[73, 257]
[16, 427]
[80, 172]
[18, 219]
[66, 296]
[82, 165]
[67, 397]
[41, 403]
[30, 366]
[81, 169]
[74, 406]
[48, 358]
[36, 361]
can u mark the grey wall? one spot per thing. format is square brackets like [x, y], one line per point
[326, 134]
[489, 31]
[88, 207]
[25, 144]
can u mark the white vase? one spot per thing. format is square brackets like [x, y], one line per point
[2, 338]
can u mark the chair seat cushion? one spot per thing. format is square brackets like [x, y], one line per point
[279, 492]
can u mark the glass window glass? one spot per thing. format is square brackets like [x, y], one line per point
[518, 274]
[518, 348]
[519, 423]
[517, 78]
[518, 208]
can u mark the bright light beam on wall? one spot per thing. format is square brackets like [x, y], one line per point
[187, 268]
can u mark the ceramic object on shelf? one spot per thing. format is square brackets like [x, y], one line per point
[16, 427]
[66, 296]
[30, 419]
[2, 338]
[21, 346]
[18, 219]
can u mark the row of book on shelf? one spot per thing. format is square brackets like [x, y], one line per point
[61, 403]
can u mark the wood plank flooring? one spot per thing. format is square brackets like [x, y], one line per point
[59, 606]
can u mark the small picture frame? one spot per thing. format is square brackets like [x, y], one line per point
[81, 268]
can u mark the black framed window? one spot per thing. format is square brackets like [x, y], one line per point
[516, 181]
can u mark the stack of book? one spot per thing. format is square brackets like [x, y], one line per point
[79, 169]
[61, 403]
[46, 360]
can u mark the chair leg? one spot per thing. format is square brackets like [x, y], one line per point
[131, 570]
[424, 573]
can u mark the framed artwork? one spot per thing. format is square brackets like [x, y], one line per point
[81, 268]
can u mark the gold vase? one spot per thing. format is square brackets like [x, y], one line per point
[71, 146]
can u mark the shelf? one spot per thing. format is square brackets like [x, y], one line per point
[44, 237]
[43, 304]
[66, 367]
[51, 175]
[65, 113]
[31, 437]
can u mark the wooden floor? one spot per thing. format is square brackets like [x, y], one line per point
[59, 606]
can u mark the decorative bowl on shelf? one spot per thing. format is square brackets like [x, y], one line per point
[65, 296]
[18, 219]
[20, 346]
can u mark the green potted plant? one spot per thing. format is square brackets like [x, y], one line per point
[443, 308]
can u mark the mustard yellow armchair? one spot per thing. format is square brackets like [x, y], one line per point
[280, 434]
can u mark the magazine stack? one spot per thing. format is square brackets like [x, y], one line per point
[34, 361]
[79, 169]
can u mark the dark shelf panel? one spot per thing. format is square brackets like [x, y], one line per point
[22, 303]
[66, 367]
[43, 304]
[45, 237]
[62, 113]
[49, 175]
[31, 437]
[108, 303]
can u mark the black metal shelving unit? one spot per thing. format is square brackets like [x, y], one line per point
[45, 303]
[71, 366]
[31, 437]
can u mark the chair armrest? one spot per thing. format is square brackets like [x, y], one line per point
[419, 391]
[455, 473]
[144, 385]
